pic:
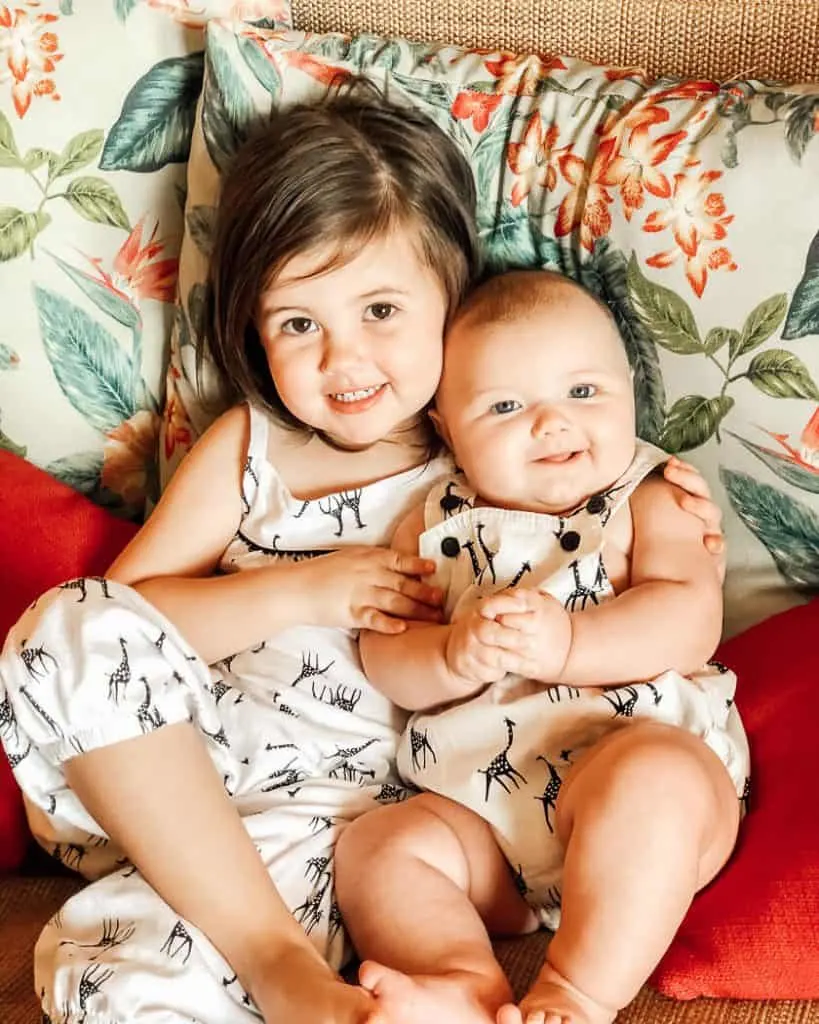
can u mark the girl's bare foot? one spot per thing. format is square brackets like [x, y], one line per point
[554, 1000]
[301, 987]
[460, 997]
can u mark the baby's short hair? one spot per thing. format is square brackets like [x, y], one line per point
[517, 294]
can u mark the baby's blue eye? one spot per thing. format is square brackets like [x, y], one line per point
[299, 325]
[582, 391]
[505, 406]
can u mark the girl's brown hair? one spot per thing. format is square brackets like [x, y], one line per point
[339, 172]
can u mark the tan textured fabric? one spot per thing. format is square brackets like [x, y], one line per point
[27, 903]
[521, 958]
[699, 38]
[25, 906]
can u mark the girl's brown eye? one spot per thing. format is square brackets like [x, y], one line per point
[382, 310]
[298, 325]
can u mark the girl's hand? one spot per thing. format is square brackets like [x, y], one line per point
[361, 587]
[534, 631]
[696, 499]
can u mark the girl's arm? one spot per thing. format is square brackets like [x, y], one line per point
[172, 558]
[671, 615]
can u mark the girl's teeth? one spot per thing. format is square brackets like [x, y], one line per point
[354, 396]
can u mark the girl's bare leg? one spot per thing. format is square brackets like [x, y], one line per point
[648, 817]
[418, 885]
[160, 798]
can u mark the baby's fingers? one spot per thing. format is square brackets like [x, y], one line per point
[502, 604]
[491, 633]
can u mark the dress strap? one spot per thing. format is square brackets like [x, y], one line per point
[255, 458]
[447, 498]
[647, 457]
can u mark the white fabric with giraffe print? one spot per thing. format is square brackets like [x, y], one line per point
[506, 750]
[302, 741]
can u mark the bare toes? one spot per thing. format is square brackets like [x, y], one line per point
[509, 1014]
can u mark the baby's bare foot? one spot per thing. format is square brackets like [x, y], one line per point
[554, 1000]
[460, 997]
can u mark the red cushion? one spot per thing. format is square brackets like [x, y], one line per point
[754, 932]
[48, 533]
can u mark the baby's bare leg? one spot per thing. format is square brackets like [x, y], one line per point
[418, 885]
[647, 818]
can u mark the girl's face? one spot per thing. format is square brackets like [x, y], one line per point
[356, 352]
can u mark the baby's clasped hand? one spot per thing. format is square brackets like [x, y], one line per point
[518, 630]
[532, 631]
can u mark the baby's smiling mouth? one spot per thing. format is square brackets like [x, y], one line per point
[560, 458]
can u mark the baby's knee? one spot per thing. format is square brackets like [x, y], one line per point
[417, 828]
[656, 769]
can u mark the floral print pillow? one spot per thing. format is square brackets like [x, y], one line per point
[96, 113]
[691, 208]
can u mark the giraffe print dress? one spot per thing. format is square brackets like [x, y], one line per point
[303, 743]
[504, 752]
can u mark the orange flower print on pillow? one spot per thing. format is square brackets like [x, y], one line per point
[695, 216]
[128, 467]
[28, 53]
[176, 430]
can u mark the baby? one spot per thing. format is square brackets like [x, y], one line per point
[567, 725]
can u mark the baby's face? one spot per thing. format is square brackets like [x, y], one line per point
[539, 411]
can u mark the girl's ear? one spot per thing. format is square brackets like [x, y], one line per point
[440, 426]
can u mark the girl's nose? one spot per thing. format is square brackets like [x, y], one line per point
[341, 349]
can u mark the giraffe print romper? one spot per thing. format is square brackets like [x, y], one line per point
[303, 742]
[504, 752]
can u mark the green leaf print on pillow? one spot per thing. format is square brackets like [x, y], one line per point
[228, 113]
[514, 240]
[95, 374]
[803, 315]
[155, 125]
[266, 72]
[92, 198]
[777, 373]
[606, 274]
[9, 360]
[787, 528]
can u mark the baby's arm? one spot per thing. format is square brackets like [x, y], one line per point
[670, 617]
[416, 669]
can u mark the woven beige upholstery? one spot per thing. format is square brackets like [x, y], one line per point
[699, 38]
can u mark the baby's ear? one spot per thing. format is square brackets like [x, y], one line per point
[440, 426]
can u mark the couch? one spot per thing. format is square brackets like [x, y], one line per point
[719, 39]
